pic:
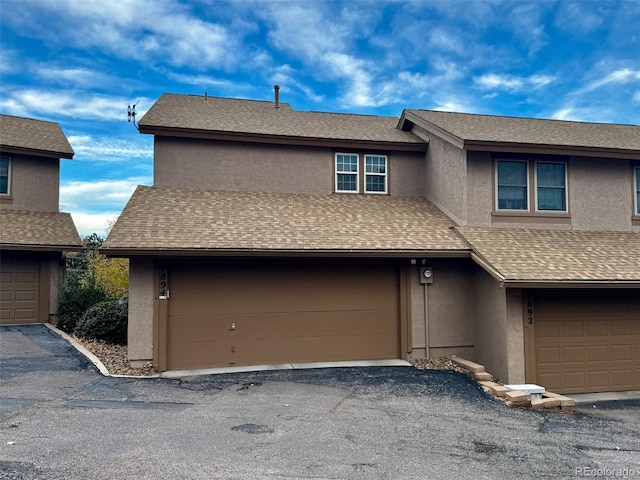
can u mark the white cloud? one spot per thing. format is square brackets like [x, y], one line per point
[101, 196]
[110, 149]
[77, 76]
[623, 75]
[88, 223]
[65, 104]
[511, 83]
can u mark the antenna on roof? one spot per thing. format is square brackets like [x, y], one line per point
[131, 114]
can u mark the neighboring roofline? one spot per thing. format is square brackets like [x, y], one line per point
[253, 252]
[35, 152]
[571, 283]
[283, 139]
[409, 119]
[40, 248]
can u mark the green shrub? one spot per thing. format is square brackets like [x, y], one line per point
[106, 321]
[76, 295]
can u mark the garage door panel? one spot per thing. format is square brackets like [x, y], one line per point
[19, 290]
[281, 312]
[606, 357]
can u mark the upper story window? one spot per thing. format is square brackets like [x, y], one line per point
[348, 168]
[551, 181]
[513, 191]
[347, 173]
[637, 175]
[513, 185]
[4, 175]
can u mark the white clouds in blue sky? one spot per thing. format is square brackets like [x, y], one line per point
[81, 62]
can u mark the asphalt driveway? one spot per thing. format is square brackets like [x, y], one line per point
[60, 419]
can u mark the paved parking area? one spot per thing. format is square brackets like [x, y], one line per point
[60, 419]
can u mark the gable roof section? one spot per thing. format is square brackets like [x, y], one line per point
[33, 137]
[161, 220]
[260, 121]
[487, 132]
[28, 230]
[527, 257]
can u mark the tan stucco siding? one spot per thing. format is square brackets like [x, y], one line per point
[141, 298]
[491, 326]
[445, 327]
[34, 184]
[515, 337]
[445, 178]
[219, 165]
[600, 194]
[479, 189]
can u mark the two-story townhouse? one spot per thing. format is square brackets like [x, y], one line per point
[278, 236]
[33, 233]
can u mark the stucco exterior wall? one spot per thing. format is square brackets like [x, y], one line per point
[515, 337]
[220, 165]
[141, 297]
[34, 184]
[445, 178]
[600, 194]
[479, 189]
[446, 326]
[491, 325]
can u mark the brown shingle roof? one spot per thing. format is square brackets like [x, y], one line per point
[487, 128]
[158, 218]
[37, 230]
[226, 115]
[45, 138]
[531, 255]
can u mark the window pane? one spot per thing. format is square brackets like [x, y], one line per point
[347, 163]
[347, 182]
[551, 186]
[4, 175]
[551, 174]
[638, 191]
[375, 183]
[512, 198]
[512, 185]
[551, 199]
[375, 164]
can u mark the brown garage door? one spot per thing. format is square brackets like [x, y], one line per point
[19, 290]
[588, 342]
[280, 312]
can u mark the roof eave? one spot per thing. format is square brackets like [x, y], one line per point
[512, 147]
[571, 283]
[283, 139]
[266, 252]
[36, 152]
[41, 248]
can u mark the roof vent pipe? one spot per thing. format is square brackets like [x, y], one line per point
[276, 90]
[206, 97]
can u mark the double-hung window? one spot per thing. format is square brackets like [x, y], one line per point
[551, 184]
[375, 168]
[513, 191]
[637, 189]
[513, 185]
[4, 175]
[349, 178]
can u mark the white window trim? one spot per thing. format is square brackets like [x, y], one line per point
[566, 187]
[497, 200]
[386, 169]
[356, 173]
[8, 194]
[636, 188]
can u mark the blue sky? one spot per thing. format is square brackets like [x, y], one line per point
[81, 62]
